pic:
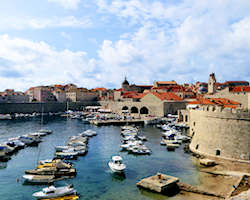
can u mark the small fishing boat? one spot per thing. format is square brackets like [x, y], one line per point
[53, 192]
[38, 179]
[116, 164]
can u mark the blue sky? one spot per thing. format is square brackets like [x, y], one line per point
[95, 43]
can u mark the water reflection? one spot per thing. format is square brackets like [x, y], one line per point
[3, 165]
[118, 177]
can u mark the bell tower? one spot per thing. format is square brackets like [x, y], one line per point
[212, 84]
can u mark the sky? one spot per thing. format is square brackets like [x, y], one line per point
[96, 43]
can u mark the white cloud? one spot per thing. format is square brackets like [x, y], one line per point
[24, 63]
[185, 41]
[42, 23]
[67, 4]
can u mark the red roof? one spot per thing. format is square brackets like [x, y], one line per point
[240, 89]
[119, 90]
[99, 89]
[139, 95]
[167, 96]
[216, 101]
[236, 82]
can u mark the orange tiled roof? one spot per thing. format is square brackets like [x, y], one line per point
[240, 89]
[167, 96]
[99, 89]
[216, 101]
[166, 82]
[139, 95]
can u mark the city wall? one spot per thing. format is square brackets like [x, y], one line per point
[11, 108]
[221, 133]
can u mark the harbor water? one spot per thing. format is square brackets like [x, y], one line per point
[94, 179]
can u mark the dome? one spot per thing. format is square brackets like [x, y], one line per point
[125, 82]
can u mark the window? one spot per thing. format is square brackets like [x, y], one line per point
[217, 152]
[186, 118]
[194, 123]
[197, 146]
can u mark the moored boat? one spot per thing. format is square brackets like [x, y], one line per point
[116, 164]
[53, 192]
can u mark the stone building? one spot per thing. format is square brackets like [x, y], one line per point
[11, 96]
[151, 103]
[60, 95]
[220, 133]
[43, 94]
[80, 94]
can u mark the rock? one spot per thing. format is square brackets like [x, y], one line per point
[160, 183]
[207, 162]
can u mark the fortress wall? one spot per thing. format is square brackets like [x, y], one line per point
[11, 108]
[220, 130]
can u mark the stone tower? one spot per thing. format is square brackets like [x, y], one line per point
[212, 84]
[125, 85]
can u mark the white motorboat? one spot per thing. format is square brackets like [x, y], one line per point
[53, 192]
[88, 133]
[62, 148]
[47, 131]
[116, 164]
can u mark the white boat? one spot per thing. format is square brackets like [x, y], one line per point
[47, 131]
[116, 164]
[53, 192]
[38, 179]
[88, 133]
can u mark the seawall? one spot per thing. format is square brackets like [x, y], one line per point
[11, 108]
[220, 133]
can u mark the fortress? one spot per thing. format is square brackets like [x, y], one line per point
[220, 132]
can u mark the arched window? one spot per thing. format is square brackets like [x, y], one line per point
[143, 110]
[197, 146]
[134, 110]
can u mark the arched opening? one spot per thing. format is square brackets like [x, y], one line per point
[125, 108]
[143, 110]
[134, 110]
[186, 118]
[197, 146]
[217, 152]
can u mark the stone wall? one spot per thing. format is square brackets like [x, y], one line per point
[221, 133]
[10, 108]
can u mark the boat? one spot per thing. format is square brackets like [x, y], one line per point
[53, 192]
[38, 179]
[116, 164]
[89, 133]
[70, 197]
[66, 155]
[52, 171]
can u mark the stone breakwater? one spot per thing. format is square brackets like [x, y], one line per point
[11, 108]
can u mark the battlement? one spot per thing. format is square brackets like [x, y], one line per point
[219, 111]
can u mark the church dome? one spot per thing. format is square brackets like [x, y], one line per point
[125, 82]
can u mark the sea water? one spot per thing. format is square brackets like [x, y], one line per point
[94, 180]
